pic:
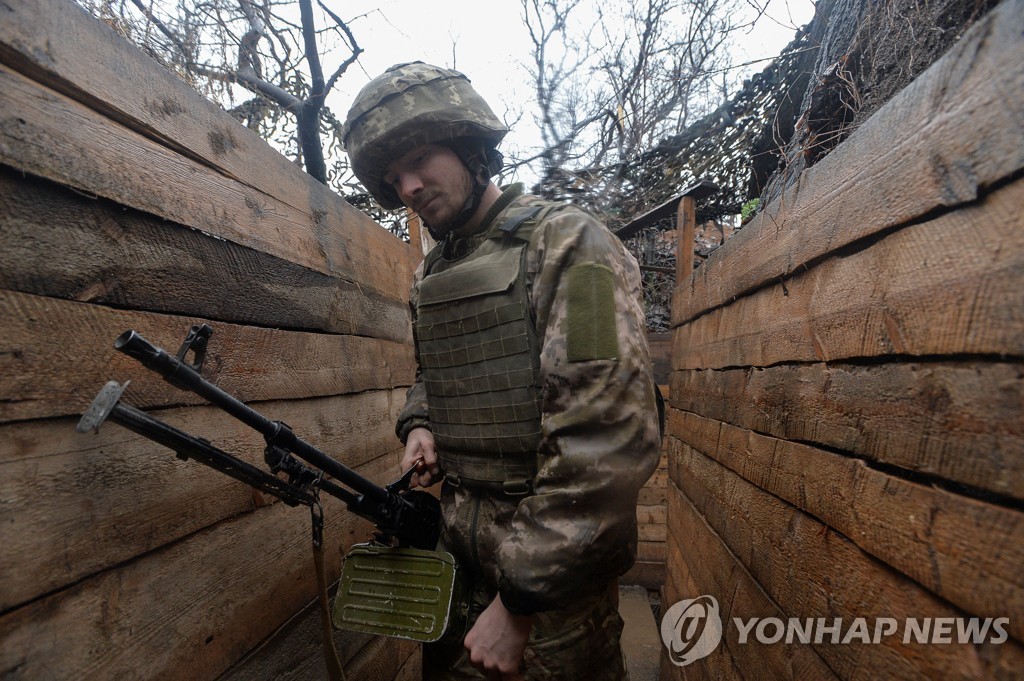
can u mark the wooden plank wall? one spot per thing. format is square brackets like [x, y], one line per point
[846, 432]
[652, 530]
[128, 201]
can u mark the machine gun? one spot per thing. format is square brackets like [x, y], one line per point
[383, 583]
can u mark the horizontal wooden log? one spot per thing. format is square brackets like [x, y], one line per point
[412, 667]
[722, 575]
[938, 143]
[47, 134]
[57, 242]
[964, 550]
[651, 551]
[653, 532]
[56, 354]
[650, 515]
[680, 585]
[956, 420]
[186, 611]
[949, 286]
[653, 493]
[115, 495]
[59, 44]
[809, 570]
[296, 654]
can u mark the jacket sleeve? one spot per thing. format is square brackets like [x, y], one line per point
[414, 414]
[600, 440]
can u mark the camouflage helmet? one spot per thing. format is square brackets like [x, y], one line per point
[407, 106]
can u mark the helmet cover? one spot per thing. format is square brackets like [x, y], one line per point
[407, 106]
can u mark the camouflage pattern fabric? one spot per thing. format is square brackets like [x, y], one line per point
[577, 642]
[600, 439]
[554, 551]
[407, 106]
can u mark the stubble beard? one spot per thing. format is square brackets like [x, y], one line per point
[452, 206]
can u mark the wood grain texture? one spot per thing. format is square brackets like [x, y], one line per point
[60, 45]
[57, 242]
[185, 611]
[50, 135]
[956, 420]
[56, 354]
[965, 550]
[810, 570]
[939, 143]
[121, 186]
[295, 653]
[680, 585]
[949, 286]
[720, 573]
[115, 495]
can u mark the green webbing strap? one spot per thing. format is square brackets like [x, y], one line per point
[516, 220]
[331, 658]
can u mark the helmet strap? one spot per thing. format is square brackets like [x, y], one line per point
[475, 158]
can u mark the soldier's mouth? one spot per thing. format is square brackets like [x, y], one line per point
[423, 204]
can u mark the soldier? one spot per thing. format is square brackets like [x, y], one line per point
[533, 399]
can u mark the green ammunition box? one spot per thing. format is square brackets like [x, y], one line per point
[400, 592]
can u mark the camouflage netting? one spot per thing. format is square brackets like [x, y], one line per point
[738, 147]
[847, 63]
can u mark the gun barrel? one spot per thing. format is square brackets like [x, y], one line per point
[187, 446]
[181, 375]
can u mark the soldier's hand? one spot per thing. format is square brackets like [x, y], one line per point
[419, 452]
[496, 642]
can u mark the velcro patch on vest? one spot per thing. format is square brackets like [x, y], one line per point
[591, 314]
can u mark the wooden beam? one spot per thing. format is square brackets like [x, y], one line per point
[115, 495]
[949, 286]
[957, 421]
[721, 573]
[686, 228]
[56, 354]
[60, 45]
[965, 550]
[879, 179]
[809, 570]
[52, 136]
[719, 664]
[699, 190]
[57, 242]
[188, 610]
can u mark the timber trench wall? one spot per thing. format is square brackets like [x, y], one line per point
[847, 407]
[128, 201]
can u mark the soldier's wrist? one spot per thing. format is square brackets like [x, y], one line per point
[405, 427]
[516, 605]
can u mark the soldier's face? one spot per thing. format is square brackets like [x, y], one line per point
[432, 181]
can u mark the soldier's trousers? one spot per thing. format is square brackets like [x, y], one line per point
[578, 642]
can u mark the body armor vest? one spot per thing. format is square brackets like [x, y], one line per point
[479, 357]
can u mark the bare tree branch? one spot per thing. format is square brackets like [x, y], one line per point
[219, 45]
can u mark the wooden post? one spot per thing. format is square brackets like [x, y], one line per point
[686, 228]
[418, 235]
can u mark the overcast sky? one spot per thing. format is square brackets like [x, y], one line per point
[486, 39]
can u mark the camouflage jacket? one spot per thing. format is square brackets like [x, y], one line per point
[600, 439]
